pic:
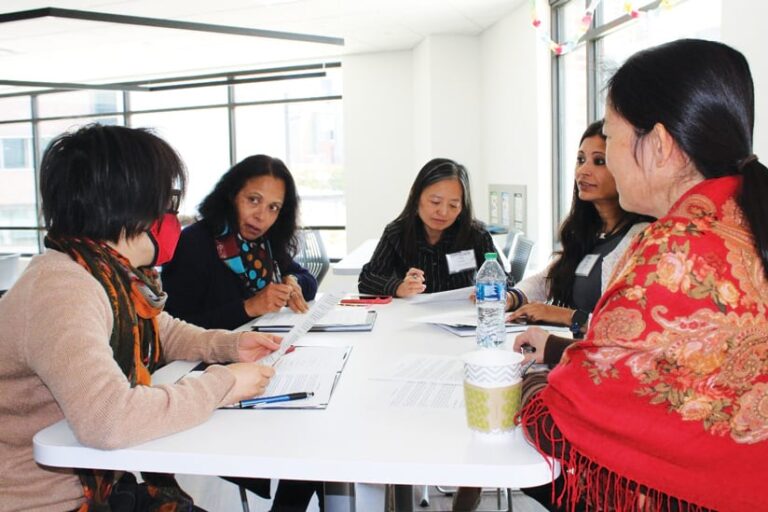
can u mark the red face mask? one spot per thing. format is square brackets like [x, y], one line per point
[165, 234]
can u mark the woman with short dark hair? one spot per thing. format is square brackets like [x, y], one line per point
[663, 405]
[435, 244]
[236, 263]
[84, 327]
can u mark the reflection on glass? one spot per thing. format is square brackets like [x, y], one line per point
[329, 85]
[573, 120]
[178, 98]
[15, 107]
[77, 103]
[22, 241]
[699, 19]
[17, 192]
[201, 137]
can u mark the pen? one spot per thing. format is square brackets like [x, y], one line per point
[251, 402]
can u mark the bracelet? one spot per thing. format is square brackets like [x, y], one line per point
[518, 298]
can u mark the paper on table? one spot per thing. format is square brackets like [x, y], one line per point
[425, 381]
[316, 312]
[339, 315]
[425, 368]
[464, 324]
[450, 295]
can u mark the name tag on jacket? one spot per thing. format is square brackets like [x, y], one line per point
[461, 261]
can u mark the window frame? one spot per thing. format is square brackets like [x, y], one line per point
[126, 113]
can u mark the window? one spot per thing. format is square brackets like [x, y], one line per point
[581, 75]
[298, 120]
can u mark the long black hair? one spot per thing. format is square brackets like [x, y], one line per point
[702, 93]
[578, 234]
[101, 182]
[217, 210]
[465, 226]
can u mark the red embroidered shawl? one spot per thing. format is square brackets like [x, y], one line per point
[669, 390]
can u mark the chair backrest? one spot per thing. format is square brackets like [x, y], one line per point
[510, 241]
[311, 254]
[518, 260]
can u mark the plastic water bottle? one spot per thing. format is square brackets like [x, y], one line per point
[491, 299]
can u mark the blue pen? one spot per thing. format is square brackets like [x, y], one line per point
[251, 402]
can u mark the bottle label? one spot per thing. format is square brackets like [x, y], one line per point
[489, 292]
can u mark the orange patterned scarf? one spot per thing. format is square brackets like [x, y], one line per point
[136, 299]
[664, 405]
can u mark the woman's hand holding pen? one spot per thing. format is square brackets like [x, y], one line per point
[532, 341]
[251, 380]
[412, 284]
[540, 312]
[252, 346]
[296, 299]
[273, 297]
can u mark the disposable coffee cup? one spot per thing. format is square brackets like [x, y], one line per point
[492, 389]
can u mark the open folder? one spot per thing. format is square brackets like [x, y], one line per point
[465, 324]
[338, 319]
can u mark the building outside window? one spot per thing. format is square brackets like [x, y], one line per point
[580, 76]
[296, 120]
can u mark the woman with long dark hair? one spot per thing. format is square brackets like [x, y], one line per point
[236, 262]
[435, 244]
[593, 237]
[662, 406]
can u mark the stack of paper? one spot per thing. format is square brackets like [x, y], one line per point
[338, 319]
[465, 323]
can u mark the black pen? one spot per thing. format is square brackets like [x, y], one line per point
[251, 402]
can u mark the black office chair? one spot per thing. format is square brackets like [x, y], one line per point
[519, 255]
[311, 254]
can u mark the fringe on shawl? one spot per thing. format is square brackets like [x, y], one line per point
[588, 484]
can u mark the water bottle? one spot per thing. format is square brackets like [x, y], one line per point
[491, 299]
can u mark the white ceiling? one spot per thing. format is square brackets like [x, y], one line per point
[65, 50]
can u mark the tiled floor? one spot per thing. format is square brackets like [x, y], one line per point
[216, 495]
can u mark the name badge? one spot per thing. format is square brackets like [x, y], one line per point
[460, 261]
[585, 267]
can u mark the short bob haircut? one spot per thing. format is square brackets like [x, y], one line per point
[102, 182]
[217, 210]
[438, 169]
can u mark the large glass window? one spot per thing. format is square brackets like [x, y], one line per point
[583, 73]
[298, 120]
[201, 137]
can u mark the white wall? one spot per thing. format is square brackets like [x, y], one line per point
[517, 120]
[481, 100]
[378, 131]
[743, 27]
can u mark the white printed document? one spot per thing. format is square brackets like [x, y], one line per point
[424, 381]
[450, 295]
[337, 319]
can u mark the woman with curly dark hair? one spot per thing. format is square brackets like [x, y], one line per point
[237, 263]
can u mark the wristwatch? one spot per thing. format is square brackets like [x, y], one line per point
[578, 320]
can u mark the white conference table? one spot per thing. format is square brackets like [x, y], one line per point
[360, 437]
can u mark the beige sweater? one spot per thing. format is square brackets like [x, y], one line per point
[55, 362]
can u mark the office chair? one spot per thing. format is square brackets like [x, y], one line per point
[509, 243]
[518, 260]
[311, 254]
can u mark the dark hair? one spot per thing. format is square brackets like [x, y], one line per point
[578, 234]
[218, 209]
[702, 93]
[438, 169]
[100, 182]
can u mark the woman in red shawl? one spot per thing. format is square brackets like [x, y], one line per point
[664, 404]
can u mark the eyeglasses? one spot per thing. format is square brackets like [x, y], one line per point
[175, 200]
